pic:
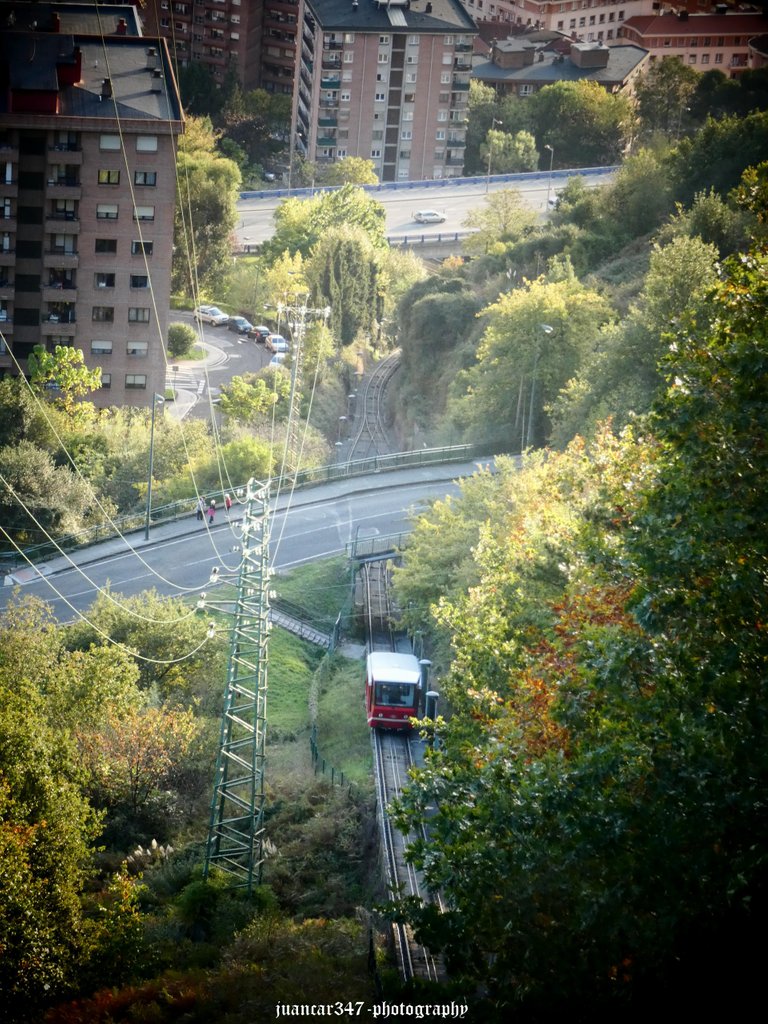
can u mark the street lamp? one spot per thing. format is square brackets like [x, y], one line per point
[494, 122]
[549, 176]
[350, 400]
[155, 399]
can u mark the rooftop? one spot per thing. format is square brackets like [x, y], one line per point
[142, 84]
[380, 16]
[622, 61]
[733, 23]
[85, 18]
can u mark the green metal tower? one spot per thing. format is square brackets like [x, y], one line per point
[236, 830]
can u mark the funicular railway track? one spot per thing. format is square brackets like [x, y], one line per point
[370, 437]
[392, 758]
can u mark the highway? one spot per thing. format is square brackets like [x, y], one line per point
[180, 556]
[256, 223]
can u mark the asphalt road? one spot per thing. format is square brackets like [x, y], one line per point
[256, 222]
[179, 557]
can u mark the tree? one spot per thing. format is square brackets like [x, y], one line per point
[252, 396]
[206, 211]
[585, 125]
[300, 223]
[663, 96]
[352, 170]
[502, 220]
[718, 154]
[63, 370]
[482, 109]
[343, 271]
[182, 338]
[509, 153]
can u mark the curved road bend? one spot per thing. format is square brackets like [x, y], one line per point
[320, 522]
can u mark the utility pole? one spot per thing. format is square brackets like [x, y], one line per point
[297, 314]
[236, 830]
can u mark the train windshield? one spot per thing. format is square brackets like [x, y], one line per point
[395, 695]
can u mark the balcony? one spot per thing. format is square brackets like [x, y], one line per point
[326, 140]
[60, 329]
[459, 86]
[331, 64]
[57, 224]
[6, 287]
[64, 153]
[9, 189]
[454, 161]
[7, 257]
[61, 317]
[457, 143]
[333, 46]
[9, 153]
[330, 82]
[327, 122]
[7, 224]
[54, 292]
[57, 259]
[463, 47]
[461, 65]
[64, 188]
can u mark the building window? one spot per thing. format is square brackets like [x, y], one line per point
[106, 211]
[103, 314]
[448, 40]
[348, 56]
[109, 142]
[410, 77]
[407, 115]
[137, 348]
[440, 134]
[103, 280]
[413, 40]
[145, 177]
[380, 97]
[406, 135]
[383, 58]
[106, 245]
[138, 315]
[346, 76]
[106, 380]
[409, 97]
[346, 97]
[144, 213]
[447, 58]
[384, 40]
[705, 58]
[139, 281]
[135, 381]
[349, 37]
[109, 177]
[146, 143]
[101, 348]
[445, 78]
[442, 115]
[377, 136]
[718, 58]
[142, 248]
[526, 90]
[375, 154]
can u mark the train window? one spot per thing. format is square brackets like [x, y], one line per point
[395, 695]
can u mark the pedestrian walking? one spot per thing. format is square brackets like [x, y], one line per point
[211, 511]
[201, 509]
[227, 503]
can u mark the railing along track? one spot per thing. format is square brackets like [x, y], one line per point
[371, 436]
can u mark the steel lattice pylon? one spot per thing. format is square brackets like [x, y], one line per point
[236, 830]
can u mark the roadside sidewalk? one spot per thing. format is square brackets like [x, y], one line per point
[162, 532]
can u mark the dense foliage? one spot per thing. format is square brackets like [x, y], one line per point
[595, 834]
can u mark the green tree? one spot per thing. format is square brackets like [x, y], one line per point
[65, 371]
[503, 219]
[252, 396]
[482, 109]
[352, 170]
[664, 94]
[718, 154]
[585, 125]
[206, 211]
[343, 271]
[509, 153]
[301, 223]
[182, 338]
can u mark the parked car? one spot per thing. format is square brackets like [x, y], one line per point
[211, 315]
[429, 217]
[277, 359]
[260, 333]
[278, 343]
[240, 325]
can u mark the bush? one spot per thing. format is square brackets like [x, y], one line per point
[181, 340]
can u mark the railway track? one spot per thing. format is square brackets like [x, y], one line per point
[371, 436]
[392, 757]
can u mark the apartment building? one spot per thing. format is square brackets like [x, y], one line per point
[584, 20]
[720, 41]
[386, 81]
[87, 194]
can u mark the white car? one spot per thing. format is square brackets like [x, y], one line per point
[278, 343]
[211, 315]
[277, 359]
[429, 217]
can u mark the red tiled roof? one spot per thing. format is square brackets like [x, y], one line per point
[716, 24]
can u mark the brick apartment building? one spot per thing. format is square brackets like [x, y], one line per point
[582, 20]
[87, 193]
[386, 81]
[719, 41]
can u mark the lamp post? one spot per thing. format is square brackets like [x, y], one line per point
[494, 122]
[350, 400]
[546, 329]
[155, 399]
[549, 176]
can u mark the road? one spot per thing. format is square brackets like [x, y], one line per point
[256, 222]
[180, 564]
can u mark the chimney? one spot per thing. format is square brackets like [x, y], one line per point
[122, 27]
[106, 89]
[157, 81]
[429, 8]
